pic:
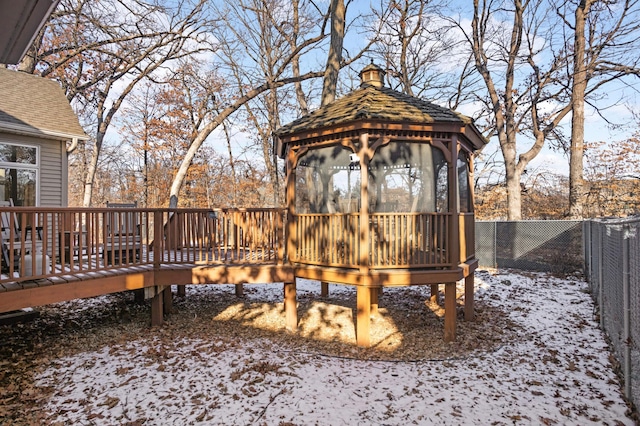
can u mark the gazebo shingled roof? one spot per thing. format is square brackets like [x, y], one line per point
[371, 103]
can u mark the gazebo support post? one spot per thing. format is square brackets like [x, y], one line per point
[469, 297]
[450, 313]
[324, 289]
[363, 316]
[290, 306]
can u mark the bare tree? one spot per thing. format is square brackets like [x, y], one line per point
[605, 39]
[507, 54]
[415, 46]
[267, 77]
[100, 50]
[334, 57]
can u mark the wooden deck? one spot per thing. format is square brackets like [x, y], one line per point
[157, 248]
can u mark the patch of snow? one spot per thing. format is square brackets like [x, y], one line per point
[561, 375]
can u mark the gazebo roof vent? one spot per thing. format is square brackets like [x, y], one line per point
[372, 75]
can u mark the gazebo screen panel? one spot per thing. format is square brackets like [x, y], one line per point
[328, 181]
[464, 192]
[408, 177]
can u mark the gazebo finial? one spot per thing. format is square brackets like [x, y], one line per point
[372, 75]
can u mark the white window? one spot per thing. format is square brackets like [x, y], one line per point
[19, 167]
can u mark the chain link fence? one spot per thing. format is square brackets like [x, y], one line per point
[607, 251]
[612, 267]
[536, 245]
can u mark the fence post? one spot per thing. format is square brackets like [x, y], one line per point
[626, 314]
[600, 274]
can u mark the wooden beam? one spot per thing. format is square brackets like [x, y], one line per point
[182, 291]
[239, 290]
[450, 313]
[469, 297]
[363, 316]
[138, 296]
[157, 309]
[290, 306]
[44, 294]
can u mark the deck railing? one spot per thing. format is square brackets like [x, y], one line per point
[43, 242]
[396, 240]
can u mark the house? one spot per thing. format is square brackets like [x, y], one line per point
[36, 124]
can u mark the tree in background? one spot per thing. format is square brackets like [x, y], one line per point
[612, 178]
[415, 45]
[101, 50]
[603, 37]
[511, 44]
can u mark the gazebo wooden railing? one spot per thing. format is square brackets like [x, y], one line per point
[396, 240]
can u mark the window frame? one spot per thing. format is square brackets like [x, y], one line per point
[25, 166]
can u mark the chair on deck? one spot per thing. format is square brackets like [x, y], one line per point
[11, 237]
[123, 239]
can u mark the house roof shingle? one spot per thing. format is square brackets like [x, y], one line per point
[34, 105]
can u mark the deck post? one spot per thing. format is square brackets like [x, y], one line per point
[469, 297]
[239, 290]
[138, 296]
[182, 291]
[375, 298]
[434, 293]
[157, 309]
[324, 289]
[290, 306]
[363, 316]
[450, 313]
[167, 300]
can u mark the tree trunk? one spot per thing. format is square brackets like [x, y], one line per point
[579, 88]
[330, 83]
[92, 170]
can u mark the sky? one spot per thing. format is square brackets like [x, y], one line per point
[596, 128]
[553, 369]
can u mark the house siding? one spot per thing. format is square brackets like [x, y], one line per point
[53, 168]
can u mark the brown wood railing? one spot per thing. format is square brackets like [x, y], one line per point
[396, 240]
[406, 240]
[44, 242]
[467, 236]
[223, 236]
[327, 239]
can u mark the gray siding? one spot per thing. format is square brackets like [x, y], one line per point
[53, 171]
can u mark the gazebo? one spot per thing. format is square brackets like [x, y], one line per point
[379, 193]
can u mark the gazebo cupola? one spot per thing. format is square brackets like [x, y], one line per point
[379, 193]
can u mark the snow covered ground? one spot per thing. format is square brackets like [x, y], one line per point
[556, 371]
